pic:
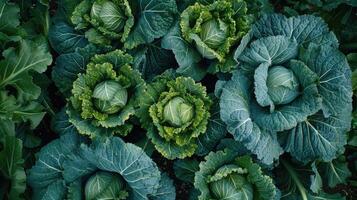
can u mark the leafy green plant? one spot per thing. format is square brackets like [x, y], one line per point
[104, 97]
[301, 91]
[174, 112]
[209, 30]
[68, 168]
[224, 175]
[111, 22]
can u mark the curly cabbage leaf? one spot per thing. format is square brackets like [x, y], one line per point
[175, 113]
[224, 175]
[301, 90]
[104, 97]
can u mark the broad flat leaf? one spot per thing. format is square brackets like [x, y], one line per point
[56, 191]
[317, 137]
[11, 166]
[335, 172]
[166, 191]
[186, 56]
[185, 169]
[304, 29]
[64, 39]
[273, 50]
[216, 130]
[69, 65]
[16, 65]
[152, 60]
[334, 77]
[9, 21]
[61, 124]
[154, 20]
[130, 161]
[48, 170]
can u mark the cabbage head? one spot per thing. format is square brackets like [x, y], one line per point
[104, 96]
[174, 111]
[224, 175]
[216, 27]
[292, 84]
[104, 20]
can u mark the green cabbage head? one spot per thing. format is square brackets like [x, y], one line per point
[103, 98]
[112, 185]
[104, 20]
[292, 84]
[224, 175]
[174, 112]
[214, 28]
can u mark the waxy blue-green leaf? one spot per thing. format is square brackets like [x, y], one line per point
[69, 65]
[185, 169]
[64, 39]
[155, 20]
[304, 29]
[186, 56]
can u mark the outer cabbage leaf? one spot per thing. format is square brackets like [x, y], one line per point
[186, 56]
[304, 29]
[64, 39]
[335, 172]
[46, 176]
[185, 169]
[216, 130]
[151, 60]
[69, 65]
[155, 20]
[166, 190]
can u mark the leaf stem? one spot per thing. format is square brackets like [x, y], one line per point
[295, 178]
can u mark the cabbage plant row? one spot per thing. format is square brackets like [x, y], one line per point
[178, 99]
